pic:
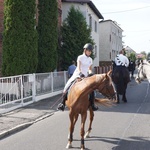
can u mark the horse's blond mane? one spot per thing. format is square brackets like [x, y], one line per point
[99, 77]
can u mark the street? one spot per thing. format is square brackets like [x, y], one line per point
[125, 126]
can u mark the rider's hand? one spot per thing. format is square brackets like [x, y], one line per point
[81, 75]
[90, 74]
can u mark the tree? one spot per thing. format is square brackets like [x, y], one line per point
[19, 38]
[75, 33]
[148, 56]
[132, 57]
[48, 35]
[144, 54]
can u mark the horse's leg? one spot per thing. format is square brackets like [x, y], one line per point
[90, 124]
[82, 132]
[124, 95]
[75, 119]
[71, 129]
[116, 87]
[118, 99]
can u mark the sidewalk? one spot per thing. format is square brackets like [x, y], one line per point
[24, 117]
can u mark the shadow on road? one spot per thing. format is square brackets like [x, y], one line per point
[132, 143]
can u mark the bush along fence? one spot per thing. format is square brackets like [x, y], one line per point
[22, 90]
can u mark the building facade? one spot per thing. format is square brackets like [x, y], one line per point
[110, 40]
[92, 16]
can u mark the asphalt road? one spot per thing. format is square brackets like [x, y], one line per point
[125, 126]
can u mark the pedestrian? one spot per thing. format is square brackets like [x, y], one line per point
[71, 69]
[83, 69]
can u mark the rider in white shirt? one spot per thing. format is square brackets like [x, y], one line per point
[121, 60]
[121, 63]
[84, 69]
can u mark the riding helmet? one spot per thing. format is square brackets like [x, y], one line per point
[88, 46]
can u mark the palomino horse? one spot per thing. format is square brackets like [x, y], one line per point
[143, 72]
[78, 101]
[120, 77]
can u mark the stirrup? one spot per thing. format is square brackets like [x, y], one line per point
[94, 108]
[61, 107]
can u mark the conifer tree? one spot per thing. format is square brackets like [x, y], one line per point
[19, 38]
[75, 34]
[48, 35]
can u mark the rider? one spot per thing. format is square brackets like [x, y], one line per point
[121, 59]
[84, 69]
[122, 62]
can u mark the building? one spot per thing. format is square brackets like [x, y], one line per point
[129, 50]
[92, 16]
[110, 40]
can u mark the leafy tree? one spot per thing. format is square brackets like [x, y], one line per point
[148, 56]
[48, 35]
[75, 34]
[144, 54]
[132, 57]
[19, 38]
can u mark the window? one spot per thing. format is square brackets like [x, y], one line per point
[95, 26]
[90, 21]
[110, 38]
[95, 51]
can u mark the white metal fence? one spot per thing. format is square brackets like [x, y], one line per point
[18, 91]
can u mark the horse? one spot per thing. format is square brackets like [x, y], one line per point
[78, 102]
[143, 72]
[121, 78]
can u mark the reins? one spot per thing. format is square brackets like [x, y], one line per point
[106, 87]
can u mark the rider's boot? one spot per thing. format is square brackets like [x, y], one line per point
[61, 106]
[92, 98]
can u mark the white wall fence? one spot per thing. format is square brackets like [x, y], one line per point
[19, 91]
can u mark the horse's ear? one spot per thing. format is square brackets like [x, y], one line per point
[109, 72]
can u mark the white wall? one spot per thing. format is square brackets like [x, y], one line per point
[110, 40]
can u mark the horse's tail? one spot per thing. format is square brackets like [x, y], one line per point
[104, 102]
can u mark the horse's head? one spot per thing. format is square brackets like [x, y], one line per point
[140, 74]
[106, 86]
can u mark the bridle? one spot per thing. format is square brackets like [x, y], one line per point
[109, 95]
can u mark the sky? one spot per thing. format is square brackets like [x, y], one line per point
[133, 17]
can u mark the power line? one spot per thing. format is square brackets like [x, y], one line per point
[139, 31]
[126, 10]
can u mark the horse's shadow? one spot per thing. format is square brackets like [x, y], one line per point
[132, 143]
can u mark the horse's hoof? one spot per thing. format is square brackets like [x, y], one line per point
[87, 135]
[69, 146]
[82, 148]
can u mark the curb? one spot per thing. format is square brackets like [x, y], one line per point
[22, 126]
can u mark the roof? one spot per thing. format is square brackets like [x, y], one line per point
[91, 5]
[109, 20]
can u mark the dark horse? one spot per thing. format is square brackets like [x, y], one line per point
[121, 78]
[78, 102]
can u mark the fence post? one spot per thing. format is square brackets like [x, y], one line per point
[21, 82]
[65, 79]
[34, 88]
[52, 81]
